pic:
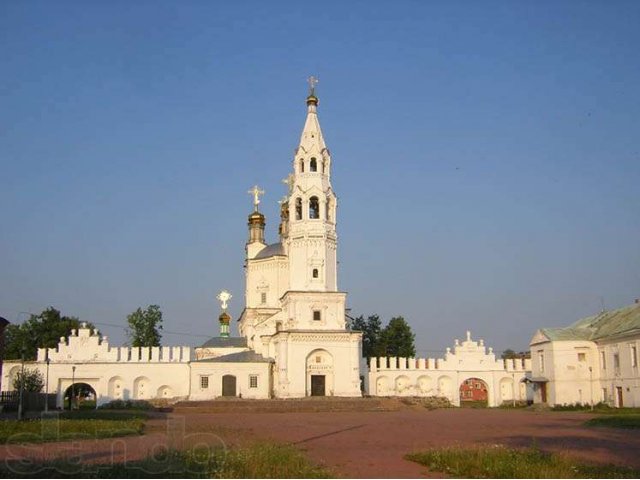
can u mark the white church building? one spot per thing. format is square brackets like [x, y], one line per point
[294, 338]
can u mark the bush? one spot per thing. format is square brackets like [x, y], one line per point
[127, 405]
[430, 403]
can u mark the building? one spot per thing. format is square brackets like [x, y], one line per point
[294, 338]
[592, 360]
[469, 372]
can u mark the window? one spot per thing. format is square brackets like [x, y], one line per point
[616, 362]
[315, 273]
[604, 394]
[634, 356]
[316, 315]
[318, 359]
[253, 381]
[603, 360]
[314, 208]
[263, 297]
[582, 357]
[541, 361]
[298, 209]
[302, 165]
[204, 382]
[313, 166]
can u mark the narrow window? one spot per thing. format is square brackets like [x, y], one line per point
[302, 165]
[253, 381]
[634, 356]
[603, 360]
[298, 209]
[314, 208]
[327, 211]
[263, 297]
[616, 362]
[313, 165]
[315, 273]
[541, 359]
[204, 382]
[604, 394]
[316, 315]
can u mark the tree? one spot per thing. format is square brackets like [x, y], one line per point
[33, 381]
[398, 338]
[509, 353]
[371, 329]
[43, 330]
[144, 327]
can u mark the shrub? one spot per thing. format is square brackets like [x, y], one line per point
[127, 405]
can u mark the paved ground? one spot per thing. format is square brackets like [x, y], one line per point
[364, 444]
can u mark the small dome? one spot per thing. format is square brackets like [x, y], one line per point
[224, 317]
[312, 100]
[256, 217]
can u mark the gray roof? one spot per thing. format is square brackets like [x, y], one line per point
[225, 342]
[239, 357]
[270, 251]
[611, 323]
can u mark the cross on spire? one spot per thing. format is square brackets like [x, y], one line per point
[313, 81]
[256, 192]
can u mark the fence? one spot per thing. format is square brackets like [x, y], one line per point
[31, 401]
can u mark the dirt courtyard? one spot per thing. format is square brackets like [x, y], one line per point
[362, 444]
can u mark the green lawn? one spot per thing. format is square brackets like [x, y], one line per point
[503, 462]
[257, 461]
[615, 421]
[72, 425]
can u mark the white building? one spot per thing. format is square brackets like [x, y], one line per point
[294, 339]
[593, 360]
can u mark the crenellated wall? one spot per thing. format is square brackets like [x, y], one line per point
[399, 376]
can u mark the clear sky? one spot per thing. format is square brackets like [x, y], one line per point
[486, 156]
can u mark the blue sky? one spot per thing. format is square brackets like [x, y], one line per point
[486, 156]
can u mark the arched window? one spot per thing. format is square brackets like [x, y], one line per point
[315, 273]
[298, 208]
[327, 211]
[302, 165]
[314, 208]
[313, 166]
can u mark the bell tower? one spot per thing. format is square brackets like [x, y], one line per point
[311, 238]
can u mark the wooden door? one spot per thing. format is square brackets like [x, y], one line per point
[619, 394]
[317, 385]
[543, 392]
[228, 386]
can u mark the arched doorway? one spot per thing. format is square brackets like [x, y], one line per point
[474, 393]
[80, 396]
[319, 373]
[228, 386]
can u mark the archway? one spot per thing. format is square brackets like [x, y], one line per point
[403, 385]
[228, 386]
[474, 393]
[445, 387]
[141, 388]
[79, 396]
[425, 384]
[165, 391]
[319, 373]
[382, 386]
[116, 389]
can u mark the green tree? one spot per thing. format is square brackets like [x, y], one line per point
[144, 327]
[33, 381]
[509, 353]
[43, 330]
[398, 338]
[371, 328]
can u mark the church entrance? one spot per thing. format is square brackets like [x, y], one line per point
[317, 385]
[228, 386]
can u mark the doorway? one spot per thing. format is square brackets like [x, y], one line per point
[228, 386]
[543, 392]
[619, 397]
[317, 385]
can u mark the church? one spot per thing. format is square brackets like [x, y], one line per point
[294, 340]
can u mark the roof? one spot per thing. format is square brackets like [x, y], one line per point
[270, 251]
[239, 357]
[606, 324]
[225, 342]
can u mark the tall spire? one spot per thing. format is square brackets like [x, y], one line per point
[312, 139]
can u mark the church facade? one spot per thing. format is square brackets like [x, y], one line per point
[294, 340]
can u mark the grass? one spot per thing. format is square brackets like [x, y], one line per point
[503, 462]
[601, 408]
[75, 426]
[256, 461]
[615, 421]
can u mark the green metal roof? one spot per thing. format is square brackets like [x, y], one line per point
[611, 323]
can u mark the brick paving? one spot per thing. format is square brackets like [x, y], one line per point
[359, 444]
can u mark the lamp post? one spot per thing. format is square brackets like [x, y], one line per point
[46, 388]
[591, 385]
[73, 387]
[21, 400]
